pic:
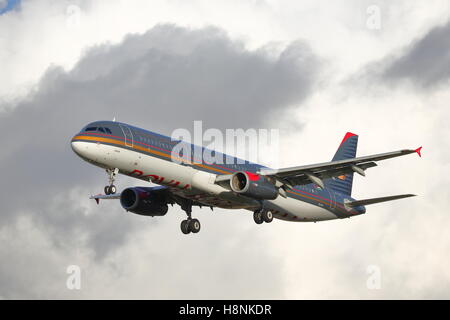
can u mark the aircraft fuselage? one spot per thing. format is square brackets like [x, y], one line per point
[145, 155]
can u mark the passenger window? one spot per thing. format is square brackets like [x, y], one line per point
[91, 129]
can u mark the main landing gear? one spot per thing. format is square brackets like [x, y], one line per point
[189, 225]
[111, 188]
[262, 215]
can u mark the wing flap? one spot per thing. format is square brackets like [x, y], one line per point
[302, 177]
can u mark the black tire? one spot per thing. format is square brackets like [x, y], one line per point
[257, 217]
[194, 226]
[107, 190]
[112, 189]
[185, 227]
[267, 216]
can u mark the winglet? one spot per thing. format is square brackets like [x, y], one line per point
[418, 151]
[96, 198]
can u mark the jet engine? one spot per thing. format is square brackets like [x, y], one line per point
[253, 186]
[144, 201]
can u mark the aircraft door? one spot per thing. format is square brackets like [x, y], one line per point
[127, 134]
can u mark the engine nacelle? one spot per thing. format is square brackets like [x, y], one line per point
[253, 186]
[144, 201]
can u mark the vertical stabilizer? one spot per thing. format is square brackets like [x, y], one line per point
[346, 150]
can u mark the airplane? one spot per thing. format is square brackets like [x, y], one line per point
[308, 193]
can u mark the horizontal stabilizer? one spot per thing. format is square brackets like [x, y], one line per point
[377, 200]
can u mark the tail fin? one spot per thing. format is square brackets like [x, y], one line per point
[346, 150]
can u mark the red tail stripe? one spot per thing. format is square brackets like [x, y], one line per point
[347, 135]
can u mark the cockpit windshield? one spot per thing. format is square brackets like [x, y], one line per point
[100, 129]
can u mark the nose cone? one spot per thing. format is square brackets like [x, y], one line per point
[87, 151]
[80, 148]
[77, 147]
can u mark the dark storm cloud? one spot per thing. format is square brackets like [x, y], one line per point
[425, 63]
[161, 80]
[172, 76]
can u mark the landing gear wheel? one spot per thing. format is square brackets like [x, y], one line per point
[185, 227]
[267, 216]
[111, 188]
[189, 225]
[257, 216]
[194, 225]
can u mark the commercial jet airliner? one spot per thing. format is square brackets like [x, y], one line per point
[314, 192]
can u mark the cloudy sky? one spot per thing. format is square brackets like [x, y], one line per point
[312, 69]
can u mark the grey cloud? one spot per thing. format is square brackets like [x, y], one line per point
[425, 63]
[161, 80]
[198, 75]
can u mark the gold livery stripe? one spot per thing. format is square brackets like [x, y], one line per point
[147, 150]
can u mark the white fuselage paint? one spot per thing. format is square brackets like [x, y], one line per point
[192, 183]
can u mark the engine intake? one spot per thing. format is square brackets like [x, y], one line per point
[253, 186]
[143, 201]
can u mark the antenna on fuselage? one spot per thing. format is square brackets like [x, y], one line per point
[114, 119]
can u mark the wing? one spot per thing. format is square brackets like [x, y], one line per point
[98, 197]
[165, 192]
[316, 173]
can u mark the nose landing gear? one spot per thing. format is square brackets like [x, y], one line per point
[111, 188]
